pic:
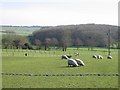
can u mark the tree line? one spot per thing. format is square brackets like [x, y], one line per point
[89, 35]
[85, 35]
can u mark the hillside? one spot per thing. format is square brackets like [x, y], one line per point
[77, 35]
[88, 35]
[21, 30]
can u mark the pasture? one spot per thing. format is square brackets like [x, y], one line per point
[50, 62]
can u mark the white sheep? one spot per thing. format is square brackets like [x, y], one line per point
[94, 56]
[69, 56]
[109, 57]
[64, 57]
[72, 62]
[100, 57]
[80, 62]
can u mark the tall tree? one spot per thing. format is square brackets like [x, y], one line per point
[47, 43]
[37, 42]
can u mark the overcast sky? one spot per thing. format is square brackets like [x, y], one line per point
[58, 12]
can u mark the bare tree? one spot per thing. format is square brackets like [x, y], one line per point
[37, 42]
[47, 42]
[78, 42]
[54, 42]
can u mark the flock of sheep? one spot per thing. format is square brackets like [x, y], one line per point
[101, 57]
[73, 62]
[78, 62]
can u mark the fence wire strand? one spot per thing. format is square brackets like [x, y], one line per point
[18, 74]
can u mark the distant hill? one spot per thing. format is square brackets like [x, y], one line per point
[77, 35]
[88, 35]
[22, 30]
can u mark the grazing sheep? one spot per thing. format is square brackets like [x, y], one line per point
[69, 56]
[100, 57]
[64, 57]
[72, 62]
[109, 57]
[80, 62]
[26, 54]
[94, 56]
[76, 54]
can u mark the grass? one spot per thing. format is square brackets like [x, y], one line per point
[59, 82]
[21, 30]
[50, 63]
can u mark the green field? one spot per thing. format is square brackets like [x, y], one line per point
[50, 62]
[21, 30]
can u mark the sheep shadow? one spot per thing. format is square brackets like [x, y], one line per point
[68, 67]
